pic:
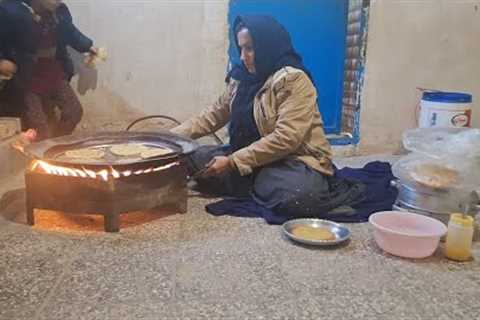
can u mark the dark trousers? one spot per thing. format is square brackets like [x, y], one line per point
[38, 111]
[288, 186]
[40, 114]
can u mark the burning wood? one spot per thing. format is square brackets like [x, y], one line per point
[105, 174]
[107, 186]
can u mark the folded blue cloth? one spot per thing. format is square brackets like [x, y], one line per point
[379, 196]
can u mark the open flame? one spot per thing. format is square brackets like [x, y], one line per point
[104, 174]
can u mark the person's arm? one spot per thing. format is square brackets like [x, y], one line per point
[4, 30]
[295, 116]
[74, 37]
[209, 120]
[7, 67]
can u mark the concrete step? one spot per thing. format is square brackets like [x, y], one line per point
[11, 161]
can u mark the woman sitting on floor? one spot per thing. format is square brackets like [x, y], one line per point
[278, 153]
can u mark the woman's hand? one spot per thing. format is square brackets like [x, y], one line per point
[7, 69]
[94, 56]
[90, 57]
[217, 167]
[93, 51]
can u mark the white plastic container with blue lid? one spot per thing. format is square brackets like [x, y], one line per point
[445, 109]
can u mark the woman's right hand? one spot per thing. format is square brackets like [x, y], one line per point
[217, 166]
[7, 69]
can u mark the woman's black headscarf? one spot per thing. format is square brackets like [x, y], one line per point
[273, 51]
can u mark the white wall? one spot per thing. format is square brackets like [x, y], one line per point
[165, 56]
[424, 43]
[170, 56]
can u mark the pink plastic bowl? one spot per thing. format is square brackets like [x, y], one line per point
[407, 235]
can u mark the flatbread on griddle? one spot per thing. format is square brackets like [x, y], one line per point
[85, 154]
[155, 152]
[128, 149]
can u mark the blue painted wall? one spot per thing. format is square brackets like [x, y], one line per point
[318, 29]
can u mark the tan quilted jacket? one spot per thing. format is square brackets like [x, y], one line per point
[287, 117]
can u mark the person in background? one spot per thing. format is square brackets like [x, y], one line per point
[278, 152]
[34, 36]
[15, 20]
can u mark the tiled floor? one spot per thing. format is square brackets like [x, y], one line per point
[196, 266]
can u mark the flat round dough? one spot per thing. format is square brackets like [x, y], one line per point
[434, 176]
[155, 152]
[128, 149]
[85, 154]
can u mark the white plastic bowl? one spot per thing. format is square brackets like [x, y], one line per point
[407, 235]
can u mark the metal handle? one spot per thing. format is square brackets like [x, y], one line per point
[152, 117]
[217, 139]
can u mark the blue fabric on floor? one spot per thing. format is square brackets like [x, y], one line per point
[379, 196]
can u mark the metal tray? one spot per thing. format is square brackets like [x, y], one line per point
[341, 232]
[52, 149]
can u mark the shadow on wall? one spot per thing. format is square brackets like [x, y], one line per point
[104, 110]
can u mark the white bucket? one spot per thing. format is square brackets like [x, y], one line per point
[445, 109]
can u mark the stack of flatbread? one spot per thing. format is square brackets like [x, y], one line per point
[434, 176]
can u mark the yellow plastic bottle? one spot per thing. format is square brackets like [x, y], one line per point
[458, 245]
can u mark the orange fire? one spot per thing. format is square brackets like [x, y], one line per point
[104, 174]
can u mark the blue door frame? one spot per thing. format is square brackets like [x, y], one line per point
[318, 29]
